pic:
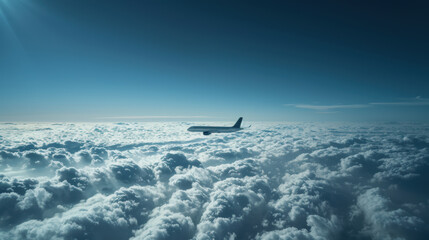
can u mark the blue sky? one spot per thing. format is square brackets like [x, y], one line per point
[213, 60]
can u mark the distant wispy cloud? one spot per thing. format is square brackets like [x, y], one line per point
[153, 117]
[327, 107]
[417, 101]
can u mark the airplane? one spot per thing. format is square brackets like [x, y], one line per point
[207, 130]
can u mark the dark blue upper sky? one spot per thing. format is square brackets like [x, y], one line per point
[90, 60]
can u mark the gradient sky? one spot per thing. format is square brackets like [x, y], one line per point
[91, 60]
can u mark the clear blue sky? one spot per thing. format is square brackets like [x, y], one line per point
[88, 60]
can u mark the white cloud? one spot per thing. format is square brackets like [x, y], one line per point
[383, 223]
[418, 101]
[328, 107]
[157, 181]
[408, 103]
[153, 117]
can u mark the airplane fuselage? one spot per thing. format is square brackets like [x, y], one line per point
[207, 130]
[213, 129]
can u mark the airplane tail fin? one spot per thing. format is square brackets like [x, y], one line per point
[238, 123]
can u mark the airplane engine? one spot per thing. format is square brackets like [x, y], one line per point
[207, 133]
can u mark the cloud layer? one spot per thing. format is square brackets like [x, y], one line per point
[157, 181]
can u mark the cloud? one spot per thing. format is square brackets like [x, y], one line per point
[418, 101]
[320, 229]
[234, 207]
[37, 160]
[409, 103]
[130, 173]
[328, 107]
[156, 181]
[153, 117]
[170, 163]
[176, 219]
[383, 223]
[99, 217]
[9, 159]
[171, 226]
[72, 176]
[290, 233]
